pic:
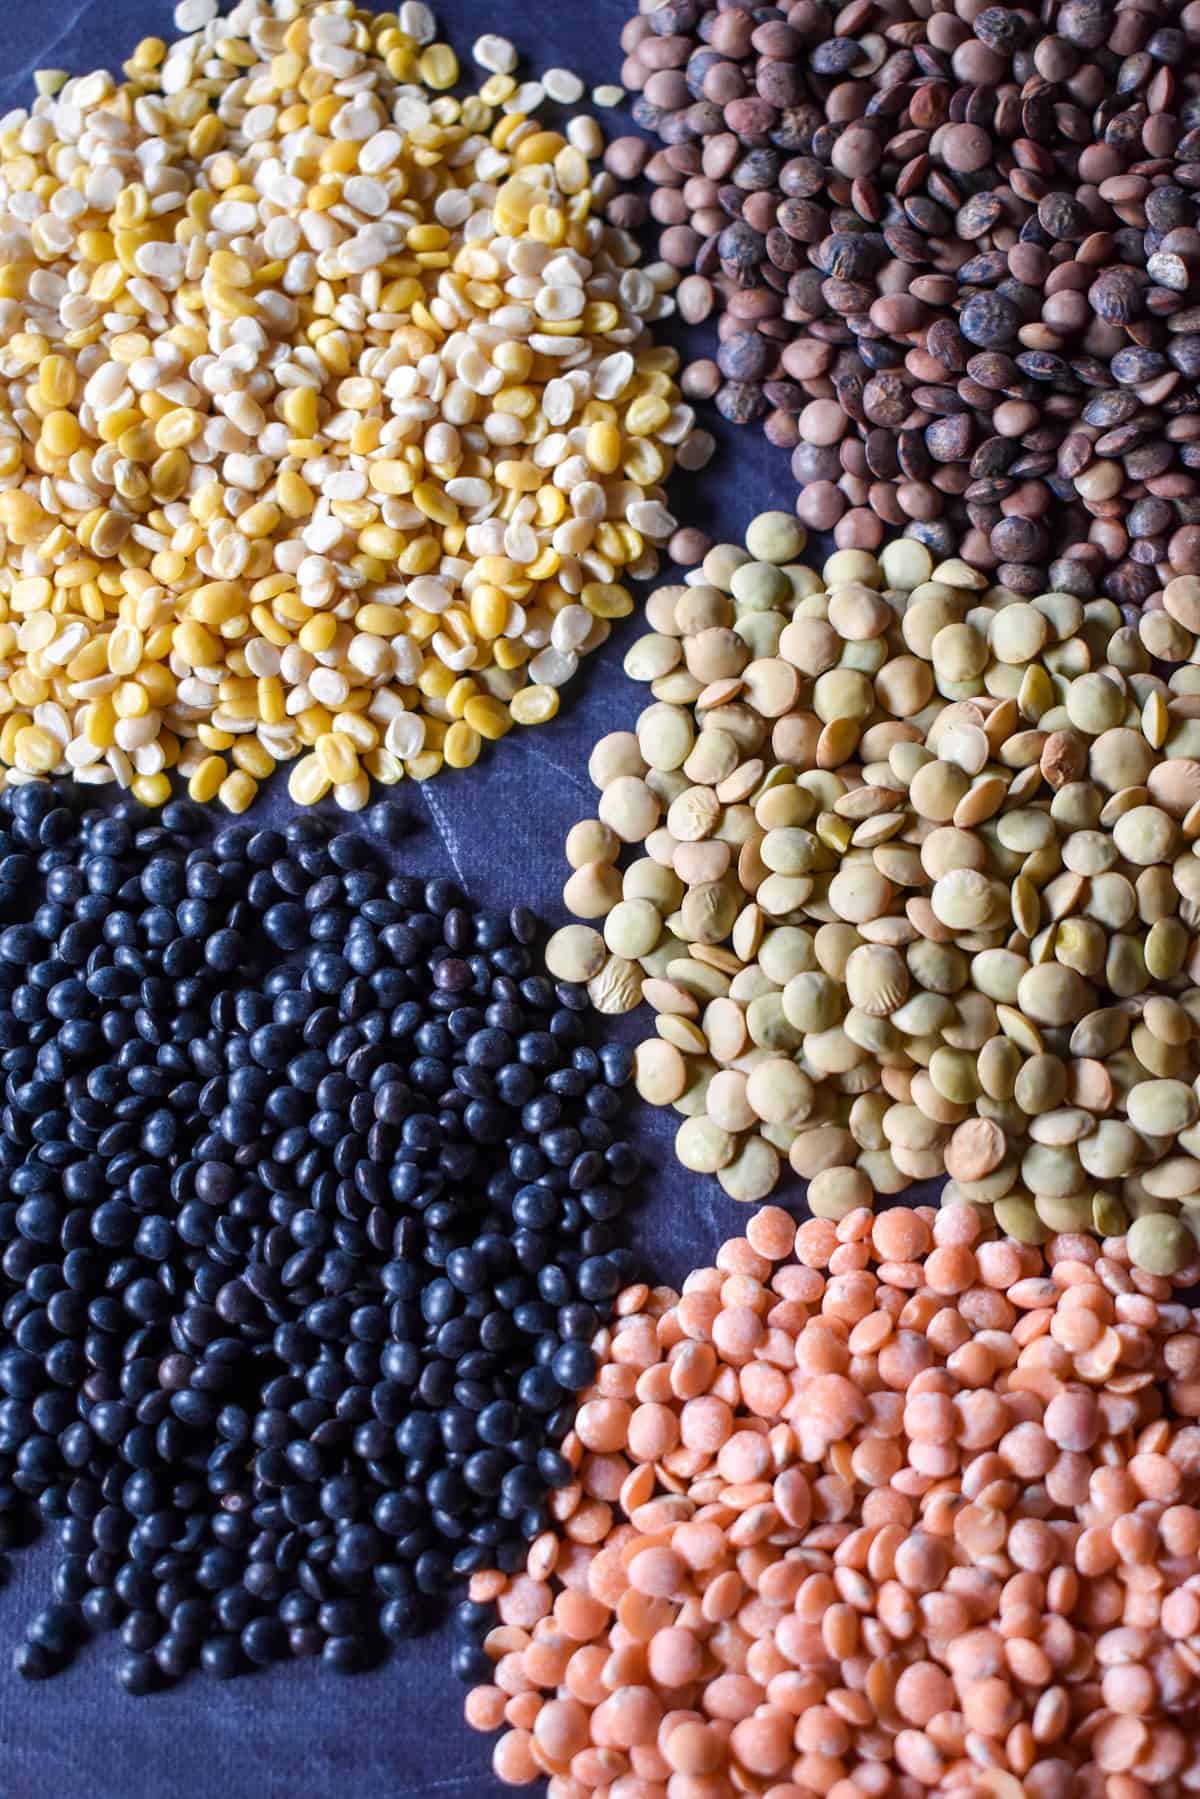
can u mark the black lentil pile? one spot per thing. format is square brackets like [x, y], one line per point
[310, 1188]
[958, 257]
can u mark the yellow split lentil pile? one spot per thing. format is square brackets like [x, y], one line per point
[330, 423]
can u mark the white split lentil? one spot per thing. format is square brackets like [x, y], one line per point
[562, 86]
[495, 54]
[323, 395]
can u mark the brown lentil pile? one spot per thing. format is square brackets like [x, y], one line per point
[913, 888]
[956, 254]
[888, 1508]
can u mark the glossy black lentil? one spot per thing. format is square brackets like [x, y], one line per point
[311, 1188]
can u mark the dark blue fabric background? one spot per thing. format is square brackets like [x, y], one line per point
[395, 1734]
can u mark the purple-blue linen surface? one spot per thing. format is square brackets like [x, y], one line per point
[298, 1732]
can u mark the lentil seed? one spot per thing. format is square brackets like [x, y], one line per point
[930, 905]
[309, 459]
[964, 304]
[327, 1159]
[1002, 1449]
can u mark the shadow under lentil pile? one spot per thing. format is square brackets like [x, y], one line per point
[957, 257]
[310, 1195]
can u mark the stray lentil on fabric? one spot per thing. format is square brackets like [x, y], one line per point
[876, 1510]
[330, 425]
[921, 857]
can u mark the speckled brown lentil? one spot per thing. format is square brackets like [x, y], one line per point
[957, 259]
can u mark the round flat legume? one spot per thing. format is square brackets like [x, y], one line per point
[963, 305]
[296, 1151]
[1004, 1432]
[952, 896]
[339, 458]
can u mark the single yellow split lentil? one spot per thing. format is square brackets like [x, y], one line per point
[331, 427]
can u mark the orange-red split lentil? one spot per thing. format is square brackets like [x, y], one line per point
[892, 1507]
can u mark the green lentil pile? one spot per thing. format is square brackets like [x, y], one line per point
[905, 865]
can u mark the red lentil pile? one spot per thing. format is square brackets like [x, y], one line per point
[873, 1510]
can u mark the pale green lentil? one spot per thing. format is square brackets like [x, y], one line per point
[915, 852]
